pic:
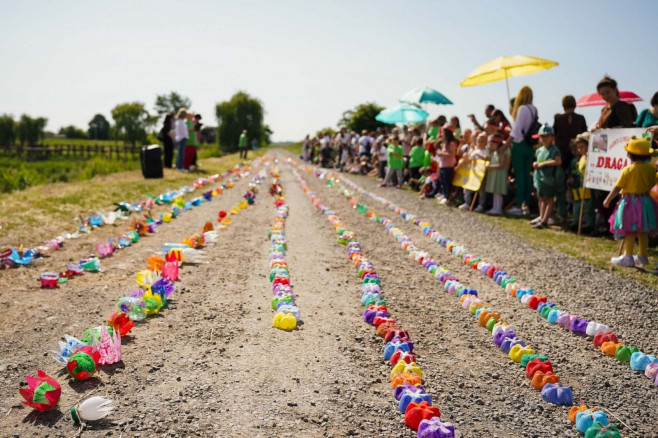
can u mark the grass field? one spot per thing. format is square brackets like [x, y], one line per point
[80, 141]
[16, 174]
[39, 213]
[19, 174]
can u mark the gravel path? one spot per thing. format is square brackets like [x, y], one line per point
[212, 365]
[597, 379]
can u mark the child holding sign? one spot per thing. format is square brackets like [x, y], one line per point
[636, 213]
[576, 179]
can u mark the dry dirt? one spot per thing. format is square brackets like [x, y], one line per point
[211, 364]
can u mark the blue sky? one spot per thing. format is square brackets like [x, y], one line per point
[308, 61]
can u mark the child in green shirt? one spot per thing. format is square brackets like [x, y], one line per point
[395, 153]
[548, 175]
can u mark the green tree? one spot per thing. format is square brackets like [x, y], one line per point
[265, 135]
[30, 130]
[171, 102]
[7, 130]
[72, 132]
[362, 117]
[241, 112]
[323, 131]
[99, 128]
[131, 121]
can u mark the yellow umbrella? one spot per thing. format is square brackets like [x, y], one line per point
[504, 67]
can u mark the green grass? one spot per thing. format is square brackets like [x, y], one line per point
[16, 174]
[79, 141]
[38, 213]
[295, 148]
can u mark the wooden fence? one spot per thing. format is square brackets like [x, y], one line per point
[34, 153]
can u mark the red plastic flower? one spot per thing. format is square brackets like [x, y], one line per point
[43, 392]
[121, 322]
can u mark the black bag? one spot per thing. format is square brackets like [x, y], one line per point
[533, 130]
[151, 157]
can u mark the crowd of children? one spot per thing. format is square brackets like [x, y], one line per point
[513, 157]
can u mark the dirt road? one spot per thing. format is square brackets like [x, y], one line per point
[212, 365]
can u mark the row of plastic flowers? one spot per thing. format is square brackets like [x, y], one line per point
[589, 421]
[140, 227]
[102, 345]
[18, 256]
[283, 302]
[406, 376]
[601, 335]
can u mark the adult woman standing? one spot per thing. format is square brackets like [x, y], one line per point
[524, 115]
[165, 137]
[617, 113]
[181, 135]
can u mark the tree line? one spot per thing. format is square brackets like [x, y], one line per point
[133, 122]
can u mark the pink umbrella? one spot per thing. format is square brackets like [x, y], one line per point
[595, 99]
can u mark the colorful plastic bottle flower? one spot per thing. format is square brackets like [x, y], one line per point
[92, 409]
[398, 333]
[281, 298]
[133, 307]
[517, 352]
[105, 249]
[405, 378]
[610, 347]
[417, 412]
[121, 323]
[155, 263]
[49, 279]
[91, 265]
[164, 288]
[42, 393]
[83, 363]
[404, 367]
[623, 353]
[587, 418]
[90, 334]
[291, 309]
[640, 361]
[403, 356]
[651, 371]
[400, 389]
[66, 349]
[435, 428]
[284, 321]
[152, 302]
[597, 430]
[594, 328]
[600, 338]
[192, 256]
[108, 346]
[574, 410]
[392, 346]
[541, 379]
[557, 394]
[408, 397]
[536, 365]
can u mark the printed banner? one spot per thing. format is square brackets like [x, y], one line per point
[606, 156]
[471, 175]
